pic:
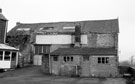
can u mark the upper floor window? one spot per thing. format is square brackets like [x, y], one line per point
[69, 28]
[46, 28]
[23, 29]
[40, 49]
[103, 60]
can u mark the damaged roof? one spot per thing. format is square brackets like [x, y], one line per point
[85, 51]
[95, 26]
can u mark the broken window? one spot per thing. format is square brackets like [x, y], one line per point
[68, 58]
[103, 60]
[1, 55]
[7, 55]
[85, 58]
[55, 58]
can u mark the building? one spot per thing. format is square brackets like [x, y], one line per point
[8, 54]
[84, 48]
[3, 27]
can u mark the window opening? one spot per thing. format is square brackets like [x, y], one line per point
[85, 58]
[55, 58]
[1, 55]
[68, 58]
[7, 55]
[103, 60]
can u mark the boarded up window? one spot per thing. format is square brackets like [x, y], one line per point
[103, 60]
[1, 55]
[39, 49]
[7, 55]
[85, 58]
[55, 58]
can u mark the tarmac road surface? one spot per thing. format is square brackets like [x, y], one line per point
[34, 75]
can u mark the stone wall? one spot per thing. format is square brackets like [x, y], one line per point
[104, 70]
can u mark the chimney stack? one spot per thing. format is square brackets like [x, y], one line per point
[0, 10]
[18, 23]
[77, 36]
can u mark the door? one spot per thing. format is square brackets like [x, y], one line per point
[45, 63]
[85, 66]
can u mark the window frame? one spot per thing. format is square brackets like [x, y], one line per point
[55, 58]
[1, 55]
[86, 58]
[7, 56]
[68, 58]
[103, 60]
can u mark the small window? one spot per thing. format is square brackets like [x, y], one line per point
[68, 58]
[55, 58]
[13, 56]
[107, 59]
[72, 59]
[65, 59]
[1, 55]
[69, 28]
[99, 60]
[7, 55]
[85, 58]
[103, 60]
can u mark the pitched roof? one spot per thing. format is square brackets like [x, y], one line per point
[96, 26]
[2, 17]
[6, 47]
[85, 51]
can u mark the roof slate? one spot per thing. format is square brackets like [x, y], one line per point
[95, 26]
[2, 17]
[85, 51]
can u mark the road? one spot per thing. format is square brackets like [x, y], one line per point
[34, 75]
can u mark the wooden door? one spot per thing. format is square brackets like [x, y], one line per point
[45, 63]
[85, 66]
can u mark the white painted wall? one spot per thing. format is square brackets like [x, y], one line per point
[5, 64]
[59, 39]
[84, 39]
[53, 39]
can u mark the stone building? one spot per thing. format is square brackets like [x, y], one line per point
[83, 48]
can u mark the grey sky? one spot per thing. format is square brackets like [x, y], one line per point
[29, 11]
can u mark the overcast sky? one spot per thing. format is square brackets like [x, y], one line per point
[29, 11]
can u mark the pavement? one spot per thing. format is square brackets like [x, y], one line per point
[34, 75]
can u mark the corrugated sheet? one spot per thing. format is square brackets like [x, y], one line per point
[85, 51]
[95, 26]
